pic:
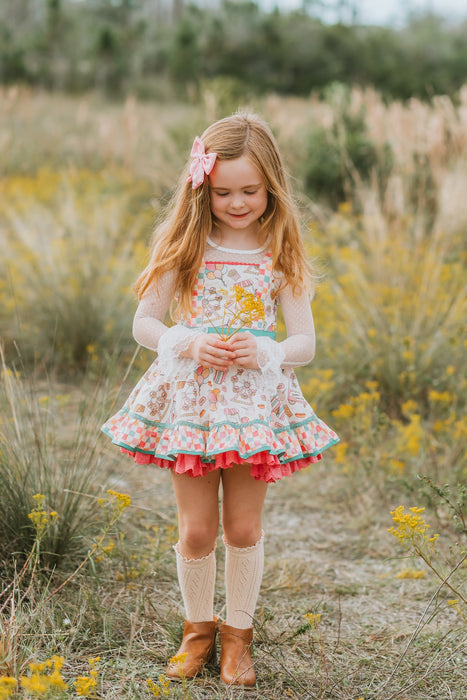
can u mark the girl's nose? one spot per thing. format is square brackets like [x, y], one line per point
[237, 201]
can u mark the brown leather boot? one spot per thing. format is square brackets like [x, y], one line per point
[236, 664]
[199, 645]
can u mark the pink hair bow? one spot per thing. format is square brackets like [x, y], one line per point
[202, 163]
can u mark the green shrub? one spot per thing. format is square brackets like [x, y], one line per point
[339, 158]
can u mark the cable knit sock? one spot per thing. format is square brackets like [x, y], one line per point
[197, 578]
[243, 574]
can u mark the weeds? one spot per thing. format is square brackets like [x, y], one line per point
[40, 455]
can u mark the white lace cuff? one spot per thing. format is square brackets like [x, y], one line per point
[270, 356]
[170, 345]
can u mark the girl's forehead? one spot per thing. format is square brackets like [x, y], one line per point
[238, 172]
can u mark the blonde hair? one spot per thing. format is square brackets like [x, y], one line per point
[179, 242]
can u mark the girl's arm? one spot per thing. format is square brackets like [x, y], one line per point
[299, 346]
[148, 325]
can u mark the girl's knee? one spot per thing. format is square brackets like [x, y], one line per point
[196, 540]
[239, 533]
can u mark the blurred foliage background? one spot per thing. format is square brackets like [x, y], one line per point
[153, 48]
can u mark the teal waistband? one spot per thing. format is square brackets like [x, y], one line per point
[254, 331]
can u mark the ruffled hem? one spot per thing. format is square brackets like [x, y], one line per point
[264, 465]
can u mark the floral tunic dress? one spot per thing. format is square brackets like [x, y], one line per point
[194, 419]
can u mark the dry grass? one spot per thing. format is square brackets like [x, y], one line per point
[323, 556]
[389, 375]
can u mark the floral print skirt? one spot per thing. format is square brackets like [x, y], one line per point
[209, 419]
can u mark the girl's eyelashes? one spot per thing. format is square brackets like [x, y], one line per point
[224, 194]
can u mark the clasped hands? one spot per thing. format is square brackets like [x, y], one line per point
[211, 351]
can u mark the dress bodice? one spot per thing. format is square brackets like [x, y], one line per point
[212, 305]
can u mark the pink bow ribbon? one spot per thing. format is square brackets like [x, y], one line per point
[202, 163]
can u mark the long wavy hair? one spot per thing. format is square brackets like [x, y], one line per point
[179, 241]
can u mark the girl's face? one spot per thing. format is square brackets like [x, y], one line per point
[238, 195]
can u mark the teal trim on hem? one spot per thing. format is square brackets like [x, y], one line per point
[208, 458]
[187, 424]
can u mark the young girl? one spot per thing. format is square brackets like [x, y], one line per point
[221, 403]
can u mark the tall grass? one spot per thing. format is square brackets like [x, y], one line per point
[48, 446]
[74, 244]
[392, 310]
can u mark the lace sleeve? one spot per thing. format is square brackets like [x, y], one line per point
[299, 346]
[148, 324]
[150, 331]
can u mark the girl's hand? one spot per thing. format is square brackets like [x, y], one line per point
[244, 345]
[211, 351]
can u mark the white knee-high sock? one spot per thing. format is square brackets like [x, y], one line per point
[197, 578]
[243, 574]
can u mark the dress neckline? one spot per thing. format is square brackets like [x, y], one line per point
[235, 250]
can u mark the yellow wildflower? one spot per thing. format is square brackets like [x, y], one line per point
[440, 396]
[411, 573]
[37, 667]
[341, 452]
[179, 659]
[158, 690]
[345, 410]
[241, 309]
[397, 466]
[411, 530]
[165, 683]
[410, 436]
[36, 684]
[86, 685]
[409, 407]
[123, 499]
[56, 680]
[39, 516]
[40, 682]
[345, 208]
[153, 688]
[313, 619]
[7, 686]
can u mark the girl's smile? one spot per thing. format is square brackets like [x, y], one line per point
[238, 197]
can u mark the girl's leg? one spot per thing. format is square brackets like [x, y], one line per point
[243, 499]
[198, 524]
[198, 519]
[198, 513]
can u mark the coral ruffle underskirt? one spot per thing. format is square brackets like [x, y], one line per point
[264, 465]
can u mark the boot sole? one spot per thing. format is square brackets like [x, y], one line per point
[238, 686]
